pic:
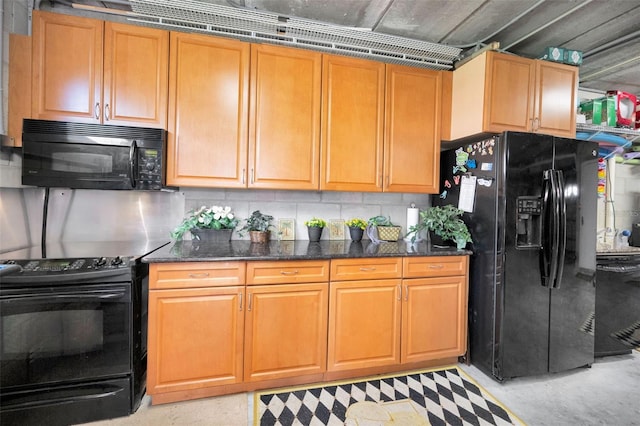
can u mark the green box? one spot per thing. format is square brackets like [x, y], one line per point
[592, 110]
[609, 117]
[572, 57]
[553, 54]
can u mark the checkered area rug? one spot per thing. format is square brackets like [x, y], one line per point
[442, 397]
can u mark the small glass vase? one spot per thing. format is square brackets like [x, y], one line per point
[211, 235]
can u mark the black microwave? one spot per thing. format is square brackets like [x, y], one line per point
[92, 156]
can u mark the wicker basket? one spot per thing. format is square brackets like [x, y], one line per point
[389, 233]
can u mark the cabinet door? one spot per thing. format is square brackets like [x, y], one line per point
[67, 68]
[434, 312]
[509, 87]
[208, 110]
[352, 124]
[195, 338]
[555, 99]
[412, 130]
[136, 63]
[286, 331]
[19, 87]
[364, 324]
[284, 129]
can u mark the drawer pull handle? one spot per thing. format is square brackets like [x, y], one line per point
[363, 269]
[436, 266]
[240, 299]
[288, 272]
[200, 275]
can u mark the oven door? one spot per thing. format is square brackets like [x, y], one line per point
[65, 334]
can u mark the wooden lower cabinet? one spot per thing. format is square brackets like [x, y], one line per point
[364, 324]
[195, 338]
[285, 331]
[224, 327]
[434, 313]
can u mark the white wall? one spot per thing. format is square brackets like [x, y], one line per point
[626, 196]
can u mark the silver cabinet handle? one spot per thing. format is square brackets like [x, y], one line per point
[436, 266]
[406, 293]
[107, 112]
[250, 297]
[288, 272]
[252, 176]
[240, 298]
[369, 269]
[96, 111]
[243, 176]
[399, 292]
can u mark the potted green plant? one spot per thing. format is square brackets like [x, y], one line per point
[356, 228]
[215, 223]
[445, 222]
[384, 228]
[315, 226]
[258, 226]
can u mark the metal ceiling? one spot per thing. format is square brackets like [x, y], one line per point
[607, 31]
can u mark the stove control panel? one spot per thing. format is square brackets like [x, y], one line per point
[69, 266]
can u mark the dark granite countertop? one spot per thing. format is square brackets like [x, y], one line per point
[195, 251]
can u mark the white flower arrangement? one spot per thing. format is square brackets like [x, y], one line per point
[214, 217]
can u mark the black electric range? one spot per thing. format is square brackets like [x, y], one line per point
[73, 319]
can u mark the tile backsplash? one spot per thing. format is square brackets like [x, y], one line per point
[303, 205]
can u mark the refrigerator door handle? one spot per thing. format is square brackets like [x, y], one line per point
[547, 233]
[561, 227]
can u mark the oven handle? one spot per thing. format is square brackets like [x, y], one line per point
[88, 295]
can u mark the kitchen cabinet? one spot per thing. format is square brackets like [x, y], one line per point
[495, 92]
[286, 319]
[92, 71]
[381, 127]
[208, 111]
[352, 124]
[434, 310]
[19, 102]
[387, 321]
[196, 326]
[412, 130]
[284, 118]
[364, 313]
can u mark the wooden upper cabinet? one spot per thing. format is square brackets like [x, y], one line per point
[495, 92]
[352, 124]
[412, 130]
[555, 99]
[284, 121]
[208, 111]
[91, 71]
[19, 87]
[67, 67]
[136, 64]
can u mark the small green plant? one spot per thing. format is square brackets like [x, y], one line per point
[256, 222]
[214, 217]
[380, 221]
[445, 222]
[315, 223]
[356, 222]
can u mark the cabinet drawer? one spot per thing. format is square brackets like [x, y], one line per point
[434, 266]
[196, 274]
[366, 269]
[284, 272]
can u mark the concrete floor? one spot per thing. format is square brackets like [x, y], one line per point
[608, 393]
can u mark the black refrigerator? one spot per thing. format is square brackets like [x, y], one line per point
[530, 205]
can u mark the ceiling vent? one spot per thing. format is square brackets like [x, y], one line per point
[253, 25]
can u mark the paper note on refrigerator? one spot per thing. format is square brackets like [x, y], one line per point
[467, 193]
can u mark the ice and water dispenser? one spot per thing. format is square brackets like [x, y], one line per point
[528, 225]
